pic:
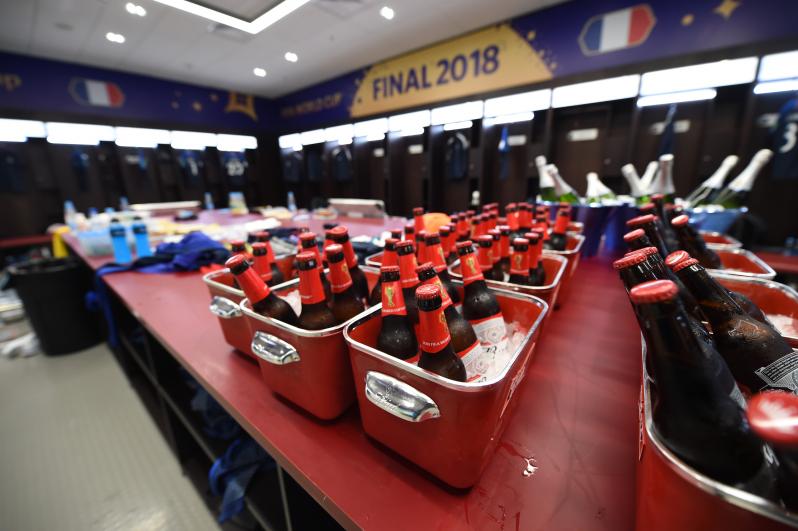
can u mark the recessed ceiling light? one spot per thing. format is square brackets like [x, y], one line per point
[276, 13]
[291, 57]
[135, 9]
[115, 37]
[258, 71]
[387, 13]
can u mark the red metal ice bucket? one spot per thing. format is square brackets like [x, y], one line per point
[225, 300]
[744, 263]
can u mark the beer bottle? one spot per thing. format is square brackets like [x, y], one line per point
[410, 232]
[260, 262]
[389, 258]
[524, 217]
[421, 246]
[396, 336]
[418, 219]
[408, 277]
[480, 306]
[345, 302]
[495, 254]
[758, 356]
[315, 314]
[511, 211]
[266, 238]
[708, 189]
[519, 268]
[636, 239]
[447, 242]
[493, 220]
[476, 226]
[263, 301]
[630, 174]
[436, 258]
[464, 340]
[504, 248]
[692, 242]
[695, 414]
[559, 236]
[736, 194]
[485, 257]
[341, 236]
[308, 243]
[773, 416]
[744, 302]
[437, 354]
[663, 223]
[647, 223]
[240, 247]
[537, 274]
[396, 234]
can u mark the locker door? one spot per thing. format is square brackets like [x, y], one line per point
[370, 168]
[339, 175]
[314, 175]
[78, 175]
[506, 173]
[456, 162]
[168, 174]
[293, 174]
[27, 204]
[191, 175]
[407, 179]
[139, 170]
[579, 135]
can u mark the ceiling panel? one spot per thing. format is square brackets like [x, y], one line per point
[331, 37]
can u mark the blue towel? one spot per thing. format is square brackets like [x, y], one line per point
[232, 473]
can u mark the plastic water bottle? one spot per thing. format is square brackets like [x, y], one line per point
[142, 238]
[69, 214]
[291, 202]
[209, 201]
[119, 242]
[124, 205]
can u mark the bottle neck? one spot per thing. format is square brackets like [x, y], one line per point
[270, 253]
[418, 223]
[263, 267]
[714, 299]
[534, 253]
[519, 263]
[434, 334]
[485, 258]
[393, 300]
[504, 245]
[745, 181]
[349, 254]
[311, 290]
[407, 270]
[421, 252]
[561, 225]
[471, 270]
[637, 274]
[389, 258]
[436, 256]
[340, 279]
[446, 301]
[252, 285]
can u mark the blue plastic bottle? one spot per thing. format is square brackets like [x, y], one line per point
[119, 241]
[142, 239]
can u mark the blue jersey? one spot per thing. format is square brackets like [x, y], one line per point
[785, 142]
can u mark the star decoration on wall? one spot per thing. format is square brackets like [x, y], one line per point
[687, 19]
[726, 8]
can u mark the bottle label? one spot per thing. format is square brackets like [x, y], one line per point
[263, 268]
[349, 254]
[435, 255]
[310, 289]
[393, 302]
[446, 301]
[470, 269]
[434, 331]
[519, 266]
[407, 271]
[782, 373]
[253, 287]
[340, 279]
[477, 364]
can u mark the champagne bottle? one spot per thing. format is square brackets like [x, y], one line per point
[708, 189]
[663, 183]
[648, 176]
[546, 186]
[597, 190]
[635, 189]
[735, 195]
[563, 190]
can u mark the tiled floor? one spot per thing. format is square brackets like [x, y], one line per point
[79, 451]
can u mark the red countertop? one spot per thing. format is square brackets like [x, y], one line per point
[577, 417]
[781, 263]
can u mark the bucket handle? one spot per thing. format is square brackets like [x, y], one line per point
[224, 308]
[273, 350]
[399, 399]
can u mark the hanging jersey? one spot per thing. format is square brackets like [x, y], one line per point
[292, 167]
[342, 164]
[785, 142]
[235, 166]
[456, 157]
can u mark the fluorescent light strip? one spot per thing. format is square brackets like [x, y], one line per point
[79, 134]
[23, 129]
[677, 97]
[331, 134]
[510, 118]
[139, 137]
[371, 127]
[778, 66]
[707, 75]
[289, 141]
[614, 88]
[454, 126]
[470, 110]
[410, 120]
[192, 140]
[235, 142]
[273, 15]
[537, 100]
[375, 137]
[785, 85]
[412, 131]
[312, 137]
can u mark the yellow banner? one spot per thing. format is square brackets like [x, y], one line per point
[490, 59]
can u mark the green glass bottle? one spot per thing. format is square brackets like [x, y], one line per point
[736, 194]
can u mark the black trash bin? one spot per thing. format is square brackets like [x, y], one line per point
[53, 294]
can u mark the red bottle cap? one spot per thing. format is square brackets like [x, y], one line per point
[259, 249]
[334, 252]
[640, 220]
[648, 251]
[307, 239]
[389, 269]
[676, 257]
[561, 223]
[262, 264]
[418, 211]
[773, 416]
[338, 234]
[684, 263]
[428, 292]
[311, 290]
[532, 237]
[653, 291]
[647, 208]
[633, 235]
[236, 264]
[410, 228]
[680, 221]
[629, 260]
[340, 279]
[464, 245]
[263, 236]
[238, 246]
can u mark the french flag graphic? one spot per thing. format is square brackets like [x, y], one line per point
[97, 93]
[617, 30]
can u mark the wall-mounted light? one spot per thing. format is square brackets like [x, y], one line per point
[21, 130]
[410, 120]
[378, 126]
[192, 140]
[271, 16]
[80, 134]
[778, 66]
[706, 75]
[340, 133]
[470, 110]
[784, 85]
[412, 131]
[235, 142]
[614, 88]
[289, 141]
[677, 97]
[312, 137]
[140, 137]
[454, 126]
[510, 118]
[536, 100]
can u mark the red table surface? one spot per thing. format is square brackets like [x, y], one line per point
[577, 417]
[781, 263]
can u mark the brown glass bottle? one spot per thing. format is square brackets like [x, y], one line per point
[437, 354]
[389, 258]
[695, 415]
[663, 222]
[637, 239]
[649, 226]
[340, 235]
[504, 248]
[757, 355]
[260, 262]
[263, 301]
[315, 315]
[421, 246]
[396, 234]
[689, 240]
[396, 336]
[485, 257]
[447, 243]
[266, 238]
[519, 260]
[345, 302]
[537, 274]
[558, 239]
[418, 219]
[436, 257]
[309, 243]
[480, 306]
[410, 232]
[464, 340]
[408, 277]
